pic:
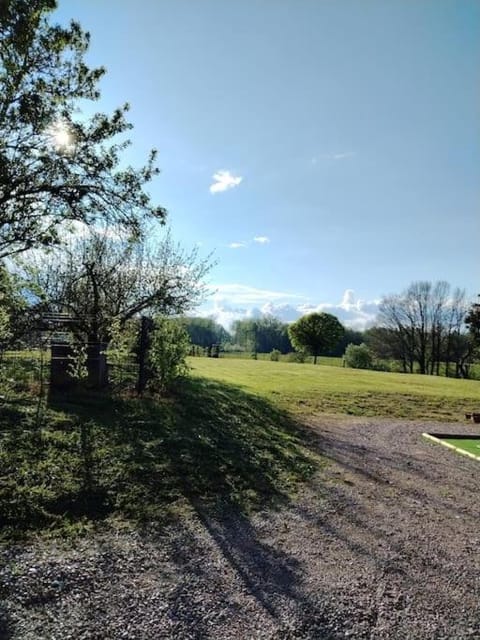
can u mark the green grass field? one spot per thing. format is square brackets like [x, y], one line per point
[245, 355]
[306, 388]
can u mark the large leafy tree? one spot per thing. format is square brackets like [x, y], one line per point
[55, 164]
[316, 333]
[101, 282]
[17, 315]
[11, 302]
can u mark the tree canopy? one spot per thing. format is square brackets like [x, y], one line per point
[316, 333]
[203, 332]
[472, 321]
[425, 326]
[100, 279]
[56, 165]
[261, 334]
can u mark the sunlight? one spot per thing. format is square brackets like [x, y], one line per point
[60, 136]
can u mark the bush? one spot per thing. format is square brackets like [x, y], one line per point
[167, 353]
[381, 365]
[230, 347]
[358, 356]
[275, 355]
[296, 356]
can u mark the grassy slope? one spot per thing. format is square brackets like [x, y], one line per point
[96, 457]
[306, 388]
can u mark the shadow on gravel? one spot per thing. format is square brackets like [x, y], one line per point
[270, 576]
[267, 573]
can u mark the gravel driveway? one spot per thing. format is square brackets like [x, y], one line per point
[383, 543]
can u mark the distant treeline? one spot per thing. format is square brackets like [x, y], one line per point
[262, 335]
[428, 328]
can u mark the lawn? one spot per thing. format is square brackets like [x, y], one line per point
[306, 388]
[246, 355]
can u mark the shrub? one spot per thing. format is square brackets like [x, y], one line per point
[382, 365]
[275, 355]
[167, 353]
[358, 356]
[296, 356]
[230, 347]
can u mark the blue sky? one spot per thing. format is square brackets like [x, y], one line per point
[328, 151]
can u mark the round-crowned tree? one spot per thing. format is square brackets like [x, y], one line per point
[316, 333]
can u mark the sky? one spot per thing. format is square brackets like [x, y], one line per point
[327, 151]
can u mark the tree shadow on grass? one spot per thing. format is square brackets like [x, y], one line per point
[140, 457]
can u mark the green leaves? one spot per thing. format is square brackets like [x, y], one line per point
[44, 183]
[316, 332]
[169, 347]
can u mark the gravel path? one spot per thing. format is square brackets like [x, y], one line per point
[384, 543]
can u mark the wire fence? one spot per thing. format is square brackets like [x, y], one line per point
[43, 364]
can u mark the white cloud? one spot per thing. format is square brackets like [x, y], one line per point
[353, 313]
[343, 155]
[226, 314]
[232, 302]
[224, 180]
[240, 294]
[243, 245]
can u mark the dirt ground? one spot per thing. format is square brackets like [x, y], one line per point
[384, 543]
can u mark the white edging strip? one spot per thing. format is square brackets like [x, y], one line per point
[450, 446]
